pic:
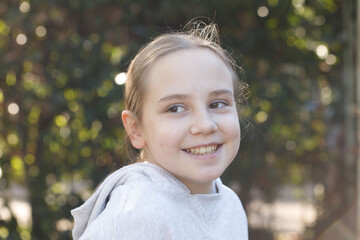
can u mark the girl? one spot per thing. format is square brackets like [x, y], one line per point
[181, 116]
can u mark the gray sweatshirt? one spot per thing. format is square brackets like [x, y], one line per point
[143, 201]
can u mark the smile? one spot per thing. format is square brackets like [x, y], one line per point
[202, 150]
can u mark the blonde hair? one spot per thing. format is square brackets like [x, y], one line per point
[199, 35]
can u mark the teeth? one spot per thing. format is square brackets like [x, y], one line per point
[203, 150]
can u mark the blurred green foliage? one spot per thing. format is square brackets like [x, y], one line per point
[60, 126]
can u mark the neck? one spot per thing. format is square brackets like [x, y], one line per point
[198, 188]
[194, 187]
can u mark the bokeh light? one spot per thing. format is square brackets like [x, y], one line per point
[290, 145]
[322, 51]
[319, 20]
[13, 108]
[331, 59]
[40, 31]
[21, 39]
[298, 3]
[326, 95]
[261, 117]
[262, 11]
[4, 232]
[120, 78]
[24, 7]
[12, 139]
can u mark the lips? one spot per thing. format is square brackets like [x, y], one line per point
[203, 150]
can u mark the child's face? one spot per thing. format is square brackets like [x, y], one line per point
[190, 125]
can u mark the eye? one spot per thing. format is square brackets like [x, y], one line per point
[176, 109]
[218, 104]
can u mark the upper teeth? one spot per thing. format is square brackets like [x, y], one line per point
[202, 150]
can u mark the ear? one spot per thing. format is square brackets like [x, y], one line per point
[132, 127]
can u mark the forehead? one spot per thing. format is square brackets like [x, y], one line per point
[190, 69]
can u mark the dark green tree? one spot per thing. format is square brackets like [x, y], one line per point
[60, 127]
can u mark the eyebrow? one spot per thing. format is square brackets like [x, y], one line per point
[183, 96]
[173, 96]
[222, 92]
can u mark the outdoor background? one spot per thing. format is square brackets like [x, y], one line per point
[61, 96]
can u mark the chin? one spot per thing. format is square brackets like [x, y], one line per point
[207, 177]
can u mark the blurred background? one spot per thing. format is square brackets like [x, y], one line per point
[62, 69]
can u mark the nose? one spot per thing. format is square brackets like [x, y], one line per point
[203, 123]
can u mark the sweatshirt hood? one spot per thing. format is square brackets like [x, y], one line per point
[95, 205]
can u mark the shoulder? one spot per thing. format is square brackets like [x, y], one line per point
[133, 211]
[233, 213]
[141, 198]
[231, 199]
[135, 195]
[229, 194]
[142, 213]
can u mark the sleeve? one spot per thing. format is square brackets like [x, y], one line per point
[143, 228]
[105, 225]
[130, 228]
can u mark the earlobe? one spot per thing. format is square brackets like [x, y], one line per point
[132, 128]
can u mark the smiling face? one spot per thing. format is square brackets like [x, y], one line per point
[189, 123]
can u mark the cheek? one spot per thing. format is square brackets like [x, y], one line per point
[231, 123]
[231, 127]
[171, 136]
[164, 134]
[237, 136]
